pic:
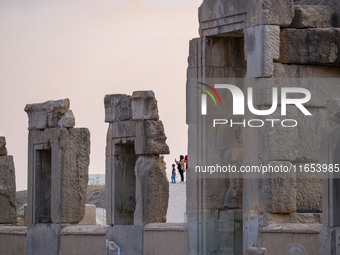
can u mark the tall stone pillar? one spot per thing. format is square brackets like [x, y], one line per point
[214, 204]
[8, 213]
[137, 189]
[271, 45]
[331, 184]
[58, 160]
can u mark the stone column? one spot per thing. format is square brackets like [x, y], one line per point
[269, 201]
[58, 160]
[214, 204]
[282, 41]
[331, 184]
[8, 213]
[137, 189]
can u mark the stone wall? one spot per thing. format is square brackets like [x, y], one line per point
[220, 199]
[166, 239]
[88, 240]
[331, 185]
[8, 213]
[268, 43]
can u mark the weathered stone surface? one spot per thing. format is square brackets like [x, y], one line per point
[313, 2]
[305, 71]
[330, 155]
[335, 5]
[157, 237]
[229, 232]
[194, 59]
[291, 218]
[262, 46]
[67, 120]
[121, 184]
[58, 160]
[119, 145]
[219, 59]
[297, 239]
[215, 17]
[117, 107]
[275, 12]
[256, 251]
[312, 16]
[233, 196]
[333, 112]
[150, 138]
[298, 145]
[210, 10]
[75, 145]
[278, 199]
[308, 193]
[280, 191]
[7, 191]
[123, 129]
[152, 191]
[144, 105]
[3, 149]
[89, 216]
[321, 89]
[128, 238]
[131, 183]
[43, 239]
[218, 54]
[47, 114]
[231, 17]
[310, 46]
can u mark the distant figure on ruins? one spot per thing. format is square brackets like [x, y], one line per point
[173, 175]
[181, 166]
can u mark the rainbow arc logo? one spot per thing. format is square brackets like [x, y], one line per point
[204, 96]
[209, 93]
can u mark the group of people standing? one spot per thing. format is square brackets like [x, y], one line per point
[182, 165]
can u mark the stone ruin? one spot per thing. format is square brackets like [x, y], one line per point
[8, 213]
[137, 189]
[329, 240]
[58, 160]
[258, 42]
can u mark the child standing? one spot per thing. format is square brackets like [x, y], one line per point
[173, 176]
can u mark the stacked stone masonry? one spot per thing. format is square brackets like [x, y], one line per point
[7, 186]
[276, 41]
[137, 189]
[58, 160]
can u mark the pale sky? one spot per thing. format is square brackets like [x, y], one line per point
[85, 49]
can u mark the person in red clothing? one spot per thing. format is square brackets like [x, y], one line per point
[186, 161]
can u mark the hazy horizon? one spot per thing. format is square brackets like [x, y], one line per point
[83, 50]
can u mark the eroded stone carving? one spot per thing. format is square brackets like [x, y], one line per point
[47, 114]
[312, 16]
[58, 160]
[7, 186]
[137, 189]
[282, 39]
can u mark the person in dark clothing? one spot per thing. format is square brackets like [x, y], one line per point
[181, 166]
